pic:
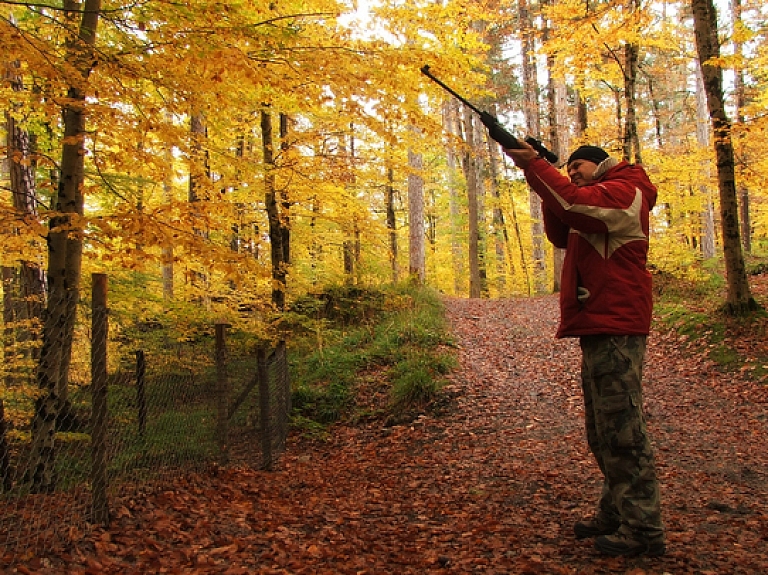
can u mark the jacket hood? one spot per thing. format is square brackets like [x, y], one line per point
[613, 169]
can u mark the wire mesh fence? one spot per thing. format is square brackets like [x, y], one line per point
[71, 444]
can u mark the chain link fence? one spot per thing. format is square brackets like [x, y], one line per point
[70, 446]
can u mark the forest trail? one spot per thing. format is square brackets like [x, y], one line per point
[489, 484]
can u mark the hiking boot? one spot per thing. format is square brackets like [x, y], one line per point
[622, 545]
[595, 527]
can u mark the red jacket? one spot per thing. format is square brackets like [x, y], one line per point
[605, 286]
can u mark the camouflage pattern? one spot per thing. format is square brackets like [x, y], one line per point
[611, 374]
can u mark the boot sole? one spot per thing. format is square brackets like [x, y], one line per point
[652, 550]
[584, 532]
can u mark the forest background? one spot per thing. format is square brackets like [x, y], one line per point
[220, 161]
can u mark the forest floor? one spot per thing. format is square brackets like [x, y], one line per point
[490, 481]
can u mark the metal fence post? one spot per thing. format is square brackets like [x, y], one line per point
[264, 412]
[222, 393]
[100, 415]
[141, 397]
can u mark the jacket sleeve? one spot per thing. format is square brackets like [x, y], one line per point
[587, 209]
[557, 232]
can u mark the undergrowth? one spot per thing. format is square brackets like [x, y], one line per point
[394, 339]
[694, 308]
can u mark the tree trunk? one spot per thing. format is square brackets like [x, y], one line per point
[631, 140]
[558, 140]
[199, 190]
[707, 217]
[167, 248]
[533, 126]
[470, 175]
[392, 223]
[65, 245]
[25, 289]
[500, 237]
[285, 202]
[739, 299]
[416, 248]
[453, 126]
[277, 251]
[741, 100]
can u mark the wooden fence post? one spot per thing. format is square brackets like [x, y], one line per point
[99, 409]
[141, 397]
[222, 393]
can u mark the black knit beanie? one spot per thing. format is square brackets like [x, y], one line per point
[589, 153]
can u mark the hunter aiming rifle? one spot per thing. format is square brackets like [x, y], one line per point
[495, 130]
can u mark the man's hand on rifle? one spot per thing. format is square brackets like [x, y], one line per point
[523, 155]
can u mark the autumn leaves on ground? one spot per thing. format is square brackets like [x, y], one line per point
[490, 481]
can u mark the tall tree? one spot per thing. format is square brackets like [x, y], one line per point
[532, 114]
[24, 287]
[703, 138]
[469, 164]
[739, 91]
[739, 298]
[452, 123]
[391, 220]
[276, 210]
[65, 246]
[416, 247]
[558, 137]
[631, 140]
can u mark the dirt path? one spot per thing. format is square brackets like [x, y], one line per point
[490, 485]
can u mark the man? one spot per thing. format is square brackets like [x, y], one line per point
[601, 218]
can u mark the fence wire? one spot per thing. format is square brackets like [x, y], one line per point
[67, 450]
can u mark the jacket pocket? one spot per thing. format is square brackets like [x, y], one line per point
[623, 421]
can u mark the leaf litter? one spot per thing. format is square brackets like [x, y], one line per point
[490, 484]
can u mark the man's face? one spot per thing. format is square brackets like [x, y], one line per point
[581, 172]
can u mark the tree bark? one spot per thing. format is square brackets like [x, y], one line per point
[499, 228]
[533, 126]
[273, 214]
[26, 287]
[470, 175]
[416, 248]
[631, 140]
[65, 245]
[741, 100]
[453, 126]
[558, 140]
[707, 216]
[739, 300]
[391, 223]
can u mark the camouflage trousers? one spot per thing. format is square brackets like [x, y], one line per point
[611, 375]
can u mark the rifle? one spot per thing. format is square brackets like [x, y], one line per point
[495, 130]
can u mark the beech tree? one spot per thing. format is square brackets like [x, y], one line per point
[739, 298]
[65, 245]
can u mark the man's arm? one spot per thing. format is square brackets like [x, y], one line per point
[557, 232]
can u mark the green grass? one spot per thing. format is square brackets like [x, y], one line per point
[171, 438]
[398, 332]
[695, 309]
